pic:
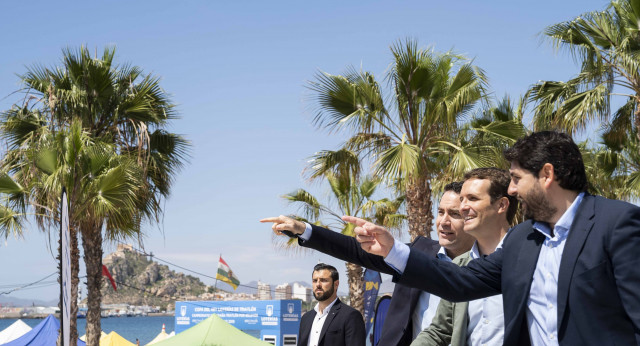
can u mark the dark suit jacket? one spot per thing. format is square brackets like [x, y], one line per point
[344, 326]
[598, 282]
[397, 328]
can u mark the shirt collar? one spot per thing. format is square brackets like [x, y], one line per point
[475, 252]
[564, 223]
[326, 310]
[442, 253]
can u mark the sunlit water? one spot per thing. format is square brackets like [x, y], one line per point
[130, 328]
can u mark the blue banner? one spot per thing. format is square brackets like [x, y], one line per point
[381, 313]
[371, 283]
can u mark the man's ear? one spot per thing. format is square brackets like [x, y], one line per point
[336, 283]
[503, 205]
[547, 174]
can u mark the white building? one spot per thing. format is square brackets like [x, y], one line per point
[301, 292]
[264, 291]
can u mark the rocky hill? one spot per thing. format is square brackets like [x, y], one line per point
[141, 281]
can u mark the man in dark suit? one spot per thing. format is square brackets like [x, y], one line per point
[330, 322]
[568, 276]
[411, 310]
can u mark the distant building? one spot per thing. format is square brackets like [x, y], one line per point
[283, 292]
[264, 291]
[301, 292]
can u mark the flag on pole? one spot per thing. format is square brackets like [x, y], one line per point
[105, 272]
[226, 275]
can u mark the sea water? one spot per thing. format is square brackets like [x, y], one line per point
[144, 328]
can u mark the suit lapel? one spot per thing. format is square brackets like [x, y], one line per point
[526, 265]
[582, 225]
[329, 318]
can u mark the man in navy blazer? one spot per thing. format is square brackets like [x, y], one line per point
[398, 327]
[330, 323]
[569, 276]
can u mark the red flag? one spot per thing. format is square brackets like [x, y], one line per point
[105, 272]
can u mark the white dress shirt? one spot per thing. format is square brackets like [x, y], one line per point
[318, 322]
[486, 315]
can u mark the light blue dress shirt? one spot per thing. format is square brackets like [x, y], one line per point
[542, 305]
[486, 315]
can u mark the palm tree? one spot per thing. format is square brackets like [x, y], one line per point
[613, 166]
[407, 136]
[101, 184]
[605, 44]
[128, 110]
[350, 196]
[421, 140]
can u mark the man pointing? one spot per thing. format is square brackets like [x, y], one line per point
[568, 276]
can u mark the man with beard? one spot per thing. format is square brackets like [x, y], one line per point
[411, 310]
[568, 276]
[330, 322]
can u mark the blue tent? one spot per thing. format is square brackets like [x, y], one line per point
[45, 334]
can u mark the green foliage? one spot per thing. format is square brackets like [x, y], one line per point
[605, 45]
[418, 129]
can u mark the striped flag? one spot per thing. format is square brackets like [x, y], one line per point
[226, 275]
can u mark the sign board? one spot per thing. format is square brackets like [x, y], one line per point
[269, 320]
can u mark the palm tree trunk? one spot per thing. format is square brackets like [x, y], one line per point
[419, 207]
[92, 245]
[356, 291]
[637, 116]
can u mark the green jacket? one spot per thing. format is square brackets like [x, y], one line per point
[449, 325]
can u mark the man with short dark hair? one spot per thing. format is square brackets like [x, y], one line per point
[411, 310]
[330, 322]
[569, 276]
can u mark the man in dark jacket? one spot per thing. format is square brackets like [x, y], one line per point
[411, 310]
[330, 323]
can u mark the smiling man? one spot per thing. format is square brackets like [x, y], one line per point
[411, 310]
[568, 277]
[330, 322]
[488, 210]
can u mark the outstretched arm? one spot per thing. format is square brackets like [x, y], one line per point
[373, 238]
[331, 243]
[283, 223]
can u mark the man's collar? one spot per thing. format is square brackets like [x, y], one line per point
[565, 221]
[326, 309]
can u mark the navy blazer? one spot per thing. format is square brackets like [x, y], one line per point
[397, 328]
[343, 326]
[598, 282]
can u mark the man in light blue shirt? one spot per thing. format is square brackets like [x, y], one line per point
[568, 276]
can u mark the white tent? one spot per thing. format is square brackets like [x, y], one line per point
[14, 331]
[162, 336]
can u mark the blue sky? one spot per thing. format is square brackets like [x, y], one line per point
[237, 71]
